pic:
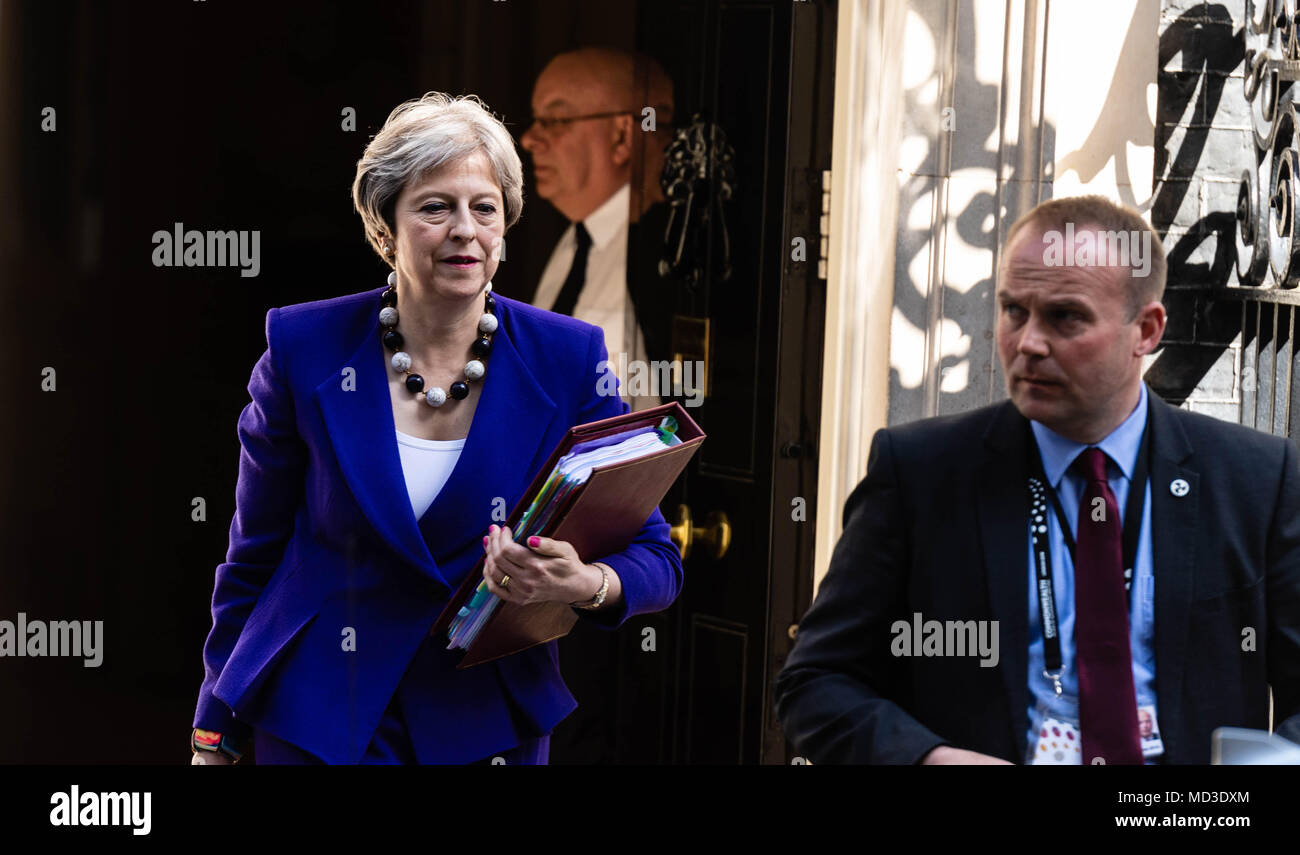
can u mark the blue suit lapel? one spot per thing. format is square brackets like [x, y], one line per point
[359, 420]
[498, 459]
[500, 454]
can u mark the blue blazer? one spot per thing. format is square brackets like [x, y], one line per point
[324, 544]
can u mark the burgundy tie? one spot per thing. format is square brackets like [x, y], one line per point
[1107, 701]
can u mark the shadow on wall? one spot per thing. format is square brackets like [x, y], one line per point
[1210, 49]
[954, 208]
[950, 225]
[1123, 102]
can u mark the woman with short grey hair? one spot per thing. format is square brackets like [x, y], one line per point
[422, 135]
[388, 432]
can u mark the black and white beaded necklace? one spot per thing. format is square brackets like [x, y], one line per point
[401, 361]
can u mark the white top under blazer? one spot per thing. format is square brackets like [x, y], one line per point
[426, 464]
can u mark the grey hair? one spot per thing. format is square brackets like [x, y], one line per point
[421, 135]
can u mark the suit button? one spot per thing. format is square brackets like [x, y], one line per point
[1179, 487]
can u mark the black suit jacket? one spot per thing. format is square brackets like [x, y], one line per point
[653, 296]
[938, 526]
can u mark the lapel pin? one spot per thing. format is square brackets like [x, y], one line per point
[1179, 487]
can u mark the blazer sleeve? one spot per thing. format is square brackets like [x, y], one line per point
[272, 463]
[1283, 598]
[833, 697]
[651, 567]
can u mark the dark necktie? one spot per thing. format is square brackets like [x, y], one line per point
[1107, 700]
[577, 273]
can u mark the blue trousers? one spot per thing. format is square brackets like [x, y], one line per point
[391, 746]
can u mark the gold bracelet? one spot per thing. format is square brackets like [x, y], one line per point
[598, 600]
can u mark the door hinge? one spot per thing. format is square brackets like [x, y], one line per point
[823, 254]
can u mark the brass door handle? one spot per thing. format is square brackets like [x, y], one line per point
[714, 536]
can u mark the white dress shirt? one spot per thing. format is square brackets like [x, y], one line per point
[604, 299]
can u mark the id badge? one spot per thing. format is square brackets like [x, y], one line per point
[1149, 733]
[1057, 742]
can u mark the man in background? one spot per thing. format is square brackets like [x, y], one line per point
[596, 165]
[600, 169]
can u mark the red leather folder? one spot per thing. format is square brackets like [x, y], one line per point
[602, 517]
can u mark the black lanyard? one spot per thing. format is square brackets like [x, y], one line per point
[1041, 494]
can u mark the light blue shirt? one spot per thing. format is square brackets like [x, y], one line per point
[1121, 447]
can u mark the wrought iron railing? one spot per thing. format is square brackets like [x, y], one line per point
[1268, 222]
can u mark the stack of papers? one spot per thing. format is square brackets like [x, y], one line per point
[556, 493]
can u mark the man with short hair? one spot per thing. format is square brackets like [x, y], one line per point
[597, 162]
[597, 166]
[1130, 561]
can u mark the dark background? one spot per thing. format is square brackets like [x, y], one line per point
[217, 115]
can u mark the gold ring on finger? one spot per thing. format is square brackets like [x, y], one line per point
[505, 581]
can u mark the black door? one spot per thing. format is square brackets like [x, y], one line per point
[753, 80]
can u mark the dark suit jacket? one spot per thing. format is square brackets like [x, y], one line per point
[653, 297]
[939, 526]
[324, 538]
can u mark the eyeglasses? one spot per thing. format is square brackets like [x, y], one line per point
[552, 123]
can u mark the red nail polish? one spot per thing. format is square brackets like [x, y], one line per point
[534, 541]
[485, 540]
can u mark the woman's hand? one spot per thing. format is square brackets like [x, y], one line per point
[545, 571]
